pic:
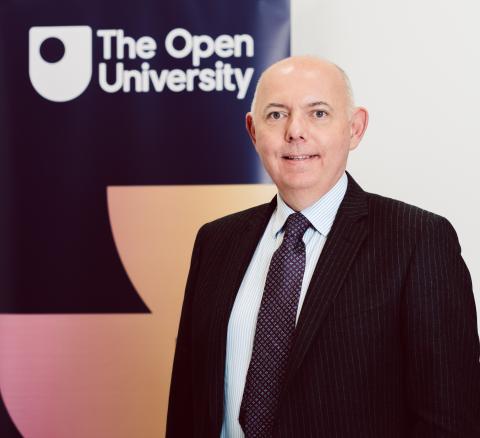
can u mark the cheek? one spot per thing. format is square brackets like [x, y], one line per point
[270, 134]
[268, 145]
[265, 155]
[335, 144]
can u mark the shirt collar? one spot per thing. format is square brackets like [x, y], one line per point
[321, 214]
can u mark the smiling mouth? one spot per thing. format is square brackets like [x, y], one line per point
[299, 157]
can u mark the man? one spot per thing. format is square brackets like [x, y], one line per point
[330, 312]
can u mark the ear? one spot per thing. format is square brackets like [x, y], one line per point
[358, 126]
[250, 127]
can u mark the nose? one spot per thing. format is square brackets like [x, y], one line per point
[296, 129]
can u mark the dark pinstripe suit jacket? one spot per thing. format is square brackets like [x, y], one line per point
[386, 343]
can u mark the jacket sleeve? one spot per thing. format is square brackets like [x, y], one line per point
[180, 415]
[441, 339]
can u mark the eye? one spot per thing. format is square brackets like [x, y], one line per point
[275, 115]
[319, 114]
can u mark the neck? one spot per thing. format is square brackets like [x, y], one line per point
[300, 199]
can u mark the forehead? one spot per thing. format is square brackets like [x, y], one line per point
[293, 85]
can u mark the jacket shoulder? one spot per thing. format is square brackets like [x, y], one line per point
[235, 221]
[403, 216]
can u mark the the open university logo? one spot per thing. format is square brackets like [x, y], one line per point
[66, 74]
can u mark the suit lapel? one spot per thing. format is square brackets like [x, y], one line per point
[345, 238]
[341, 247]
[240, 247]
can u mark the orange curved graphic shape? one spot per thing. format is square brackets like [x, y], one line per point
[107, 376]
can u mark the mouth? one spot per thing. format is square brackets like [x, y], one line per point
[299, 157]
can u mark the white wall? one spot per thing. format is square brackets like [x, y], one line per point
[415, 65]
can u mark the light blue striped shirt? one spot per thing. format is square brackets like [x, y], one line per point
[243, 319]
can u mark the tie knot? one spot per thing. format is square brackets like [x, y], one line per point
[295, 226]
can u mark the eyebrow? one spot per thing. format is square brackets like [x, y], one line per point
[275, 105]
[310, 105]
[319, 103]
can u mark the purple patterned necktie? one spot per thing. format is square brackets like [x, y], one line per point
[274, 331]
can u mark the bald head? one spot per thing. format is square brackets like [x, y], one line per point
[307, 65]
[303, 126]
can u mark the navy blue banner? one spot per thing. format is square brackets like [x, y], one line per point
[95, 94]
[104, 93]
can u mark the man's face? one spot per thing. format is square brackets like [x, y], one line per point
[303, 128]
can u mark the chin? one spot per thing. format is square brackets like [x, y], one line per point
[300, 187]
